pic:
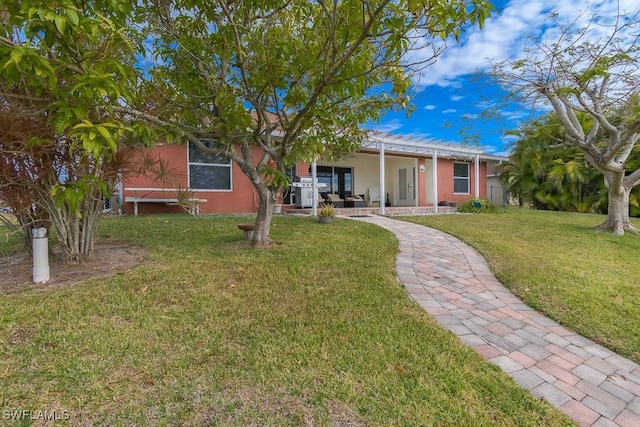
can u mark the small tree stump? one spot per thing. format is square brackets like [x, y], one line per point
[247, 230]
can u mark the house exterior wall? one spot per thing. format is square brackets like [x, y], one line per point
[242, 197]
[445, 181]
[423, 197]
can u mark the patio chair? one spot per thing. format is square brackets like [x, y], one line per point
[335, 200]
[373, 196]
[354, 201]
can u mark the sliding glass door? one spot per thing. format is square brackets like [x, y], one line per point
[338, 180]
[289, 196]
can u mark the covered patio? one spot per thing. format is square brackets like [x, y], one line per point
[412, 174]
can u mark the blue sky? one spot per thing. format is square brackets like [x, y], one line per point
[454, 92]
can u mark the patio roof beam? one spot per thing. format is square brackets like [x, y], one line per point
[393, 141]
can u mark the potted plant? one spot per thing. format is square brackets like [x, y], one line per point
[277, 207]
[326, 213]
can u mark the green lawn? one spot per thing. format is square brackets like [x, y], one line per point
[209, 331]
[8, 241]
[560, 265]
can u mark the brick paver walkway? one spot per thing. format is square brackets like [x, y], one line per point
[451, 281]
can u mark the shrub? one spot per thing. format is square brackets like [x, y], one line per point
[477, 206]
[327, 209]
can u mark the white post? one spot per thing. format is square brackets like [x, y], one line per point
[416, 184]
[314, 188]
[477, 176]
[40, 255]
[383, 192]
[434, 180]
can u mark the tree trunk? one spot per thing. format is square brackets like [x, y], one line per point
[76, 234]
[618, 211]
[262, 228]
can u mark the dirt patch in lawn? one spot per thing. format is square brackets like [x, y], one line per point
[110, 257]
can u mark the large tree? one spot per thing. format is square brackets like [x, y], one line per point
[64, 64]
[295, 79]
[545, 174]
[599, 77]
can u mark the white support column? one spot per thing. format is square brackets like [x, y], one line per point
[314, 188]
[477, 176]
[416, 185]
[383, 192]
[434, 180]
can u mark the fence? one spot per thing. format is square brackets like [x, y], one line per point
[498, 196]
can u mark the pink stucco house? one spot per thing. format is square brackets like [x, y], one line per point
[405, 172]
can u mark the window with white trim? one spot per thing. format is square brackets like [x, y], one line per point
[208, 171]
[461, 178]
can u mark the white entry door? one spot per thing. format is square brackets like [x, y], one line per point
[406, 186]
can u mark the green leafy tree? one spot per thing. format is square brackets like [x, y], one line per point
[547, 175]
[599, 79]
[294, 79]
[64, 64]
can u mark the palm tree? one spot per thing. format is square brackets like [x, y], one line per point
[548, 175]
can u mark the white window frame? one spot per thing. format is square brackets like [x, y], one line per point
[467, 178]
[209, 190]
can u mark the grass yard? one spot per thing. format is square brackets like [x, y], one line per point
[209, 331]
[560, 265]
[8, 241]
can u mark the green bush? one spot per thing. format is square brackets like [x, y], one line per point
[477, 206]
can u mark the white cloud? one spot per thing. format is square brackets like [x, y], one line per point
[389, 126]
[506, 35]
[505, 153]
[457, 97]
[449, 111]
[486, 105]
[429, 107]
[489, 149]
[496, 151]
[516, 115]
[471, 116]
[418, 134]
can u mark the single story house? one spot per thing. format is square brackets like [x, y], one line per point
[401, 171]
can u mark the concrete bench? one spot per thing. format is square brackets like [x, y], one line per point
[247, 230]
[194, 208]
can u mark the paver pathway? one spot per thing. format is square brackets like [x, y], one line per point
[451, 281]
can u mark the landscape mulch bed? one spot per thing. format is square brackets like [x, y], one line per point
[110, 257]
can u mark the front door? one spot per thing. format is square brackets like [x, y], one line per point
[406, 186]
